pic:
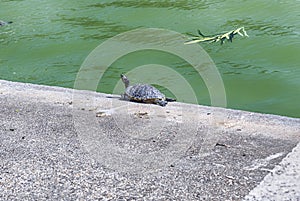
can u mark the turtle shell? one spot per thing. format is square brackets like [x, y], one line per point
[144, 93]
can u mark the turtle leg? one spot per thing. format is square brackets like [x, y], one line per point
[170, 99]
[161, 102]
[125, 97]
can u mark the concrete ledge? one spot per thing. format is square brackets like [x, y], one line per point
[49, 147]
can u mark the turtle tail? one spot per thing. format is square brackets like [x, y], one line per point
[170, 99]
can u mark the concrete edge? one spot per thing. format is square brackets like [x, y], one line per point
[271, 125]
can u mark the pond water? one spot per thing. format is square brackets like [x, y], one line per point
[49, 40]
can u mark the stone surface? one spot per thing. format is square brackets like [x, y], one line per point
[58, 143]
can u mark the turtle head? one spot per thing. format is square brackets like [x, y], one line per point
[125, 80]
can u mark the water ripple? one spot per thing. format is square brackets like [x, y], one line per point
[264, 27]
[233, 68]
[182, 5]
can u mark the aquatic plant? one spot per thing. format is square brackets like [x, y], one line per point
[218, 37]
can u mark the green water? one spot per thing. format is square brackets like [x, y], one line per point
[49, 40]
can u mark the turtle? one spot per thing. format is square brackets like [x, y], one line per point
[143, 93]
[2, 23]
